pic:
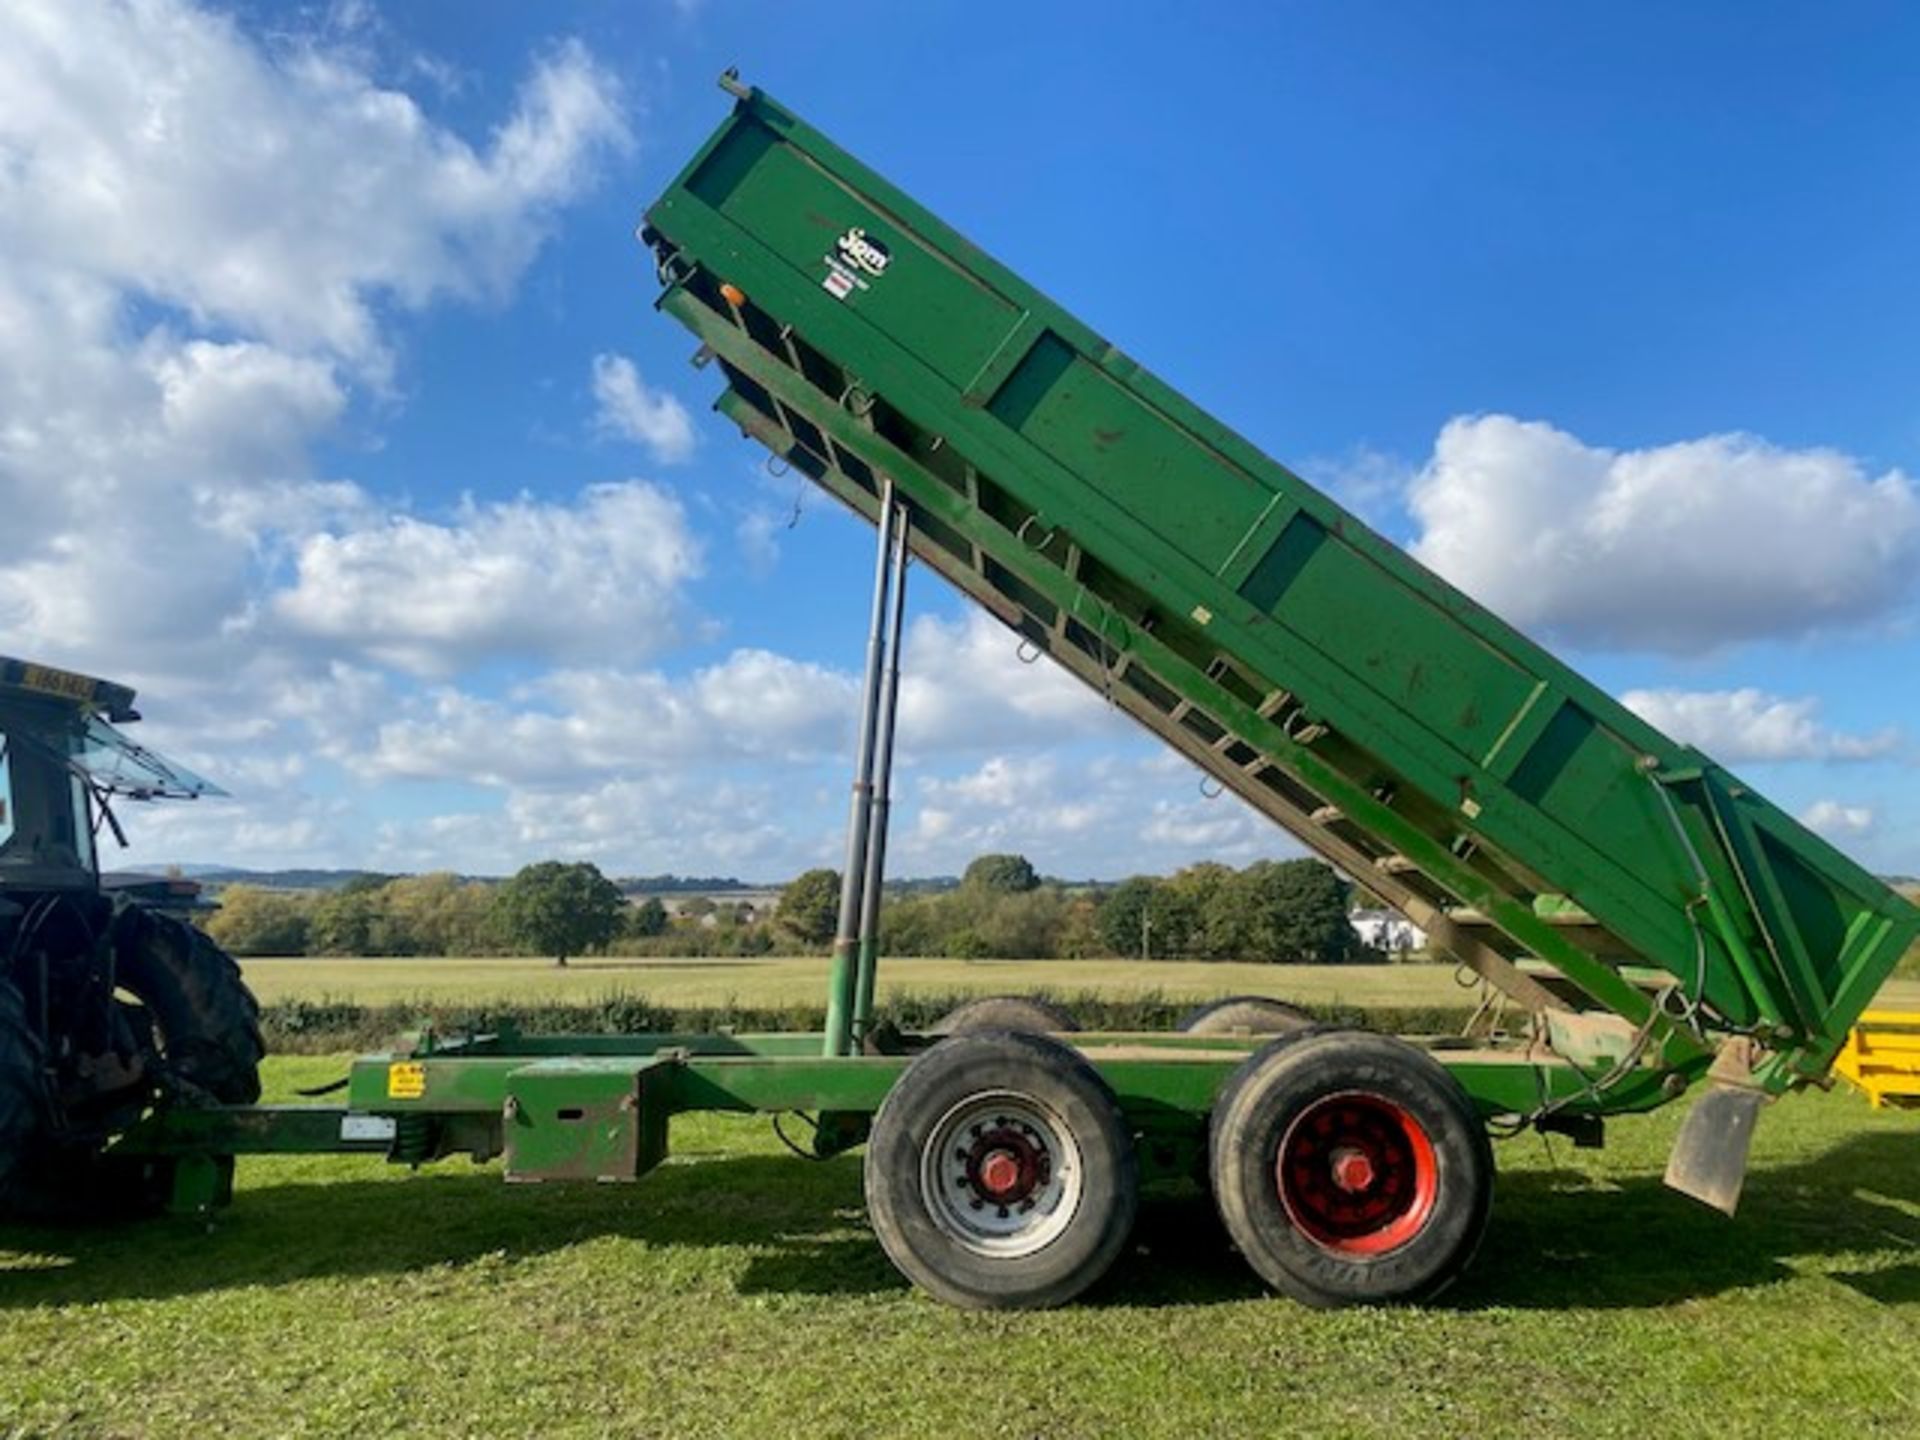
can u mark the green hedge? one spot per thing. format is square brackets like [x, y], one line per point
[326, 1026]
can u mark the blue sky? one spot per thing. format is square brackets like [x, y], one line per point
[340, 421]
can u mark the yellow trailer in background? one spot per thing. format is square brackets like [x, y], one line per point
[1882, 1057]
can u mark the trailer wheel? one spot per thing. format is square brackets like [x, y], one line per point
[1350, 1168]
[1245, 1015]
[999, 1175]
[22, 1111]
[208, 1020]
[1005, 1012]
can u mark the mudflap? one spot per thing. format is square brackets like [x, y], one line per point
[1709, 1159]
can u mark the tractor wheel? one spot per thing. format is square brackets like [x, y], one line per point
[1006, 1012]
[22, 1107]
[208, 1020]
[1000, 1174]
[1245, 1015]
[1350, 1168]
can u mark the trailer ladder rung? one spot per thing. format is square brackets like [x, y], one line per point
[1560, 919]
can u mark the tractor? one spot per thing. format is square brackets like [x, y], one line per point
[110, 1006]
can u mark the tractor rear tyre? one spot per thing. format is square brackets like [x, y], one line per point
[1006, 1012]
[22, 1107]
[208, 1020]
[1245, 1015]
[1000, 1174]
[1350, 1168]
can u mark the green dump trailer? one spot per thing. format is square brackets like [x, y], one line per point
[1654, 927]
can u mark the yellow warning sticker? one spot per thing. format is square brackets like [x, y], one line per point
[57, 682]
[406, 1080]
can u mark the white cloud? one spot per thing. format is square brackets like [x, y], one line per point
[634, 410]
[965, 686]
[626, 826]
[757, 533]
[1837, 821]
[1371, 483]
[1678, 548]
[1109, 815]
[1001, 783]
[581, 727]
[202, 239]
[156, 149]
[964, 689]
[599, 578]
[1738, 726]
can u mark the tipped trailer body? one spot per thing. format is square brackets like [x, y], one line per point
[1652, 924]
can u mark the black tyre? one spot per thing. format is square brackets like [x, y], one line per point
[999, 1174]
[1006, 1012]
[1350, 1168]
[1245, 1015]
[22, 1083]
[209, 1022]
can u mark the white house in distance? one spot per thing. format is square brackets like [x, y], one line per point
[1387, 931]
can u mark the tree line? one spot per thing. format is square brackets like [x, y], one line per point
[1287, 911]
[1284, 911]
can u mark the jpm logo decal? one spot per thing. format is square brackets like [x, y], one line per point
[863, 253]
[855, 256]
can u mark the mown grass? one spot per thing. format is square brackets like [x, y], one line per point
[736, 1291]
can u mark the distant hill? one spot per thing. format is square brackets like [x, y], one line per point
[215, 877]
[683, 884]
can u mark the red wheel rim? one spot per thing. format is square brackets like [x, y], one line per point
[1356, 1174]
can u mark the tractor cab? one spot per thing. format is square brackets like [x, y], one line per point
[109, 1003]
[62, 763]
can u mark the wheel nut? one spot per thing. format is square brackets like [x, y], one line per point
[1352, 1169]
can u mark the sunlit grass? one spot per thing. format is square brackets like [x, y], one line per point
[736, 1291]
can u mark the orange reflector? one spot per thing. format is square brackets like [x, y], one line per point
[733, 294]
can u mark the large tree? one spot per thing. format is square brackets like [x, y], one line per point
[558, 909]
[255, 921]
[647, 919]
[1144, 916]
[1001, 874]
[810, 906]
[1205, 913]
[1293, 912]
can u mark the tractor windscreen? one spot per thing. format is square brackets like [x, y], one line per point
[57, 776]
[46, 831]
[115, 765]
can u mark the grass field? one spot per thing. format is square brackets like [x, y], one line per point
[787, 980]
[737, 1291]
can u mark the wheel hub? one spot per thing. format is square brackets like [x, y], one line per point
[1002, 1174]
[1005, 1164]
[1357, 1174]
[1352, 1169]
